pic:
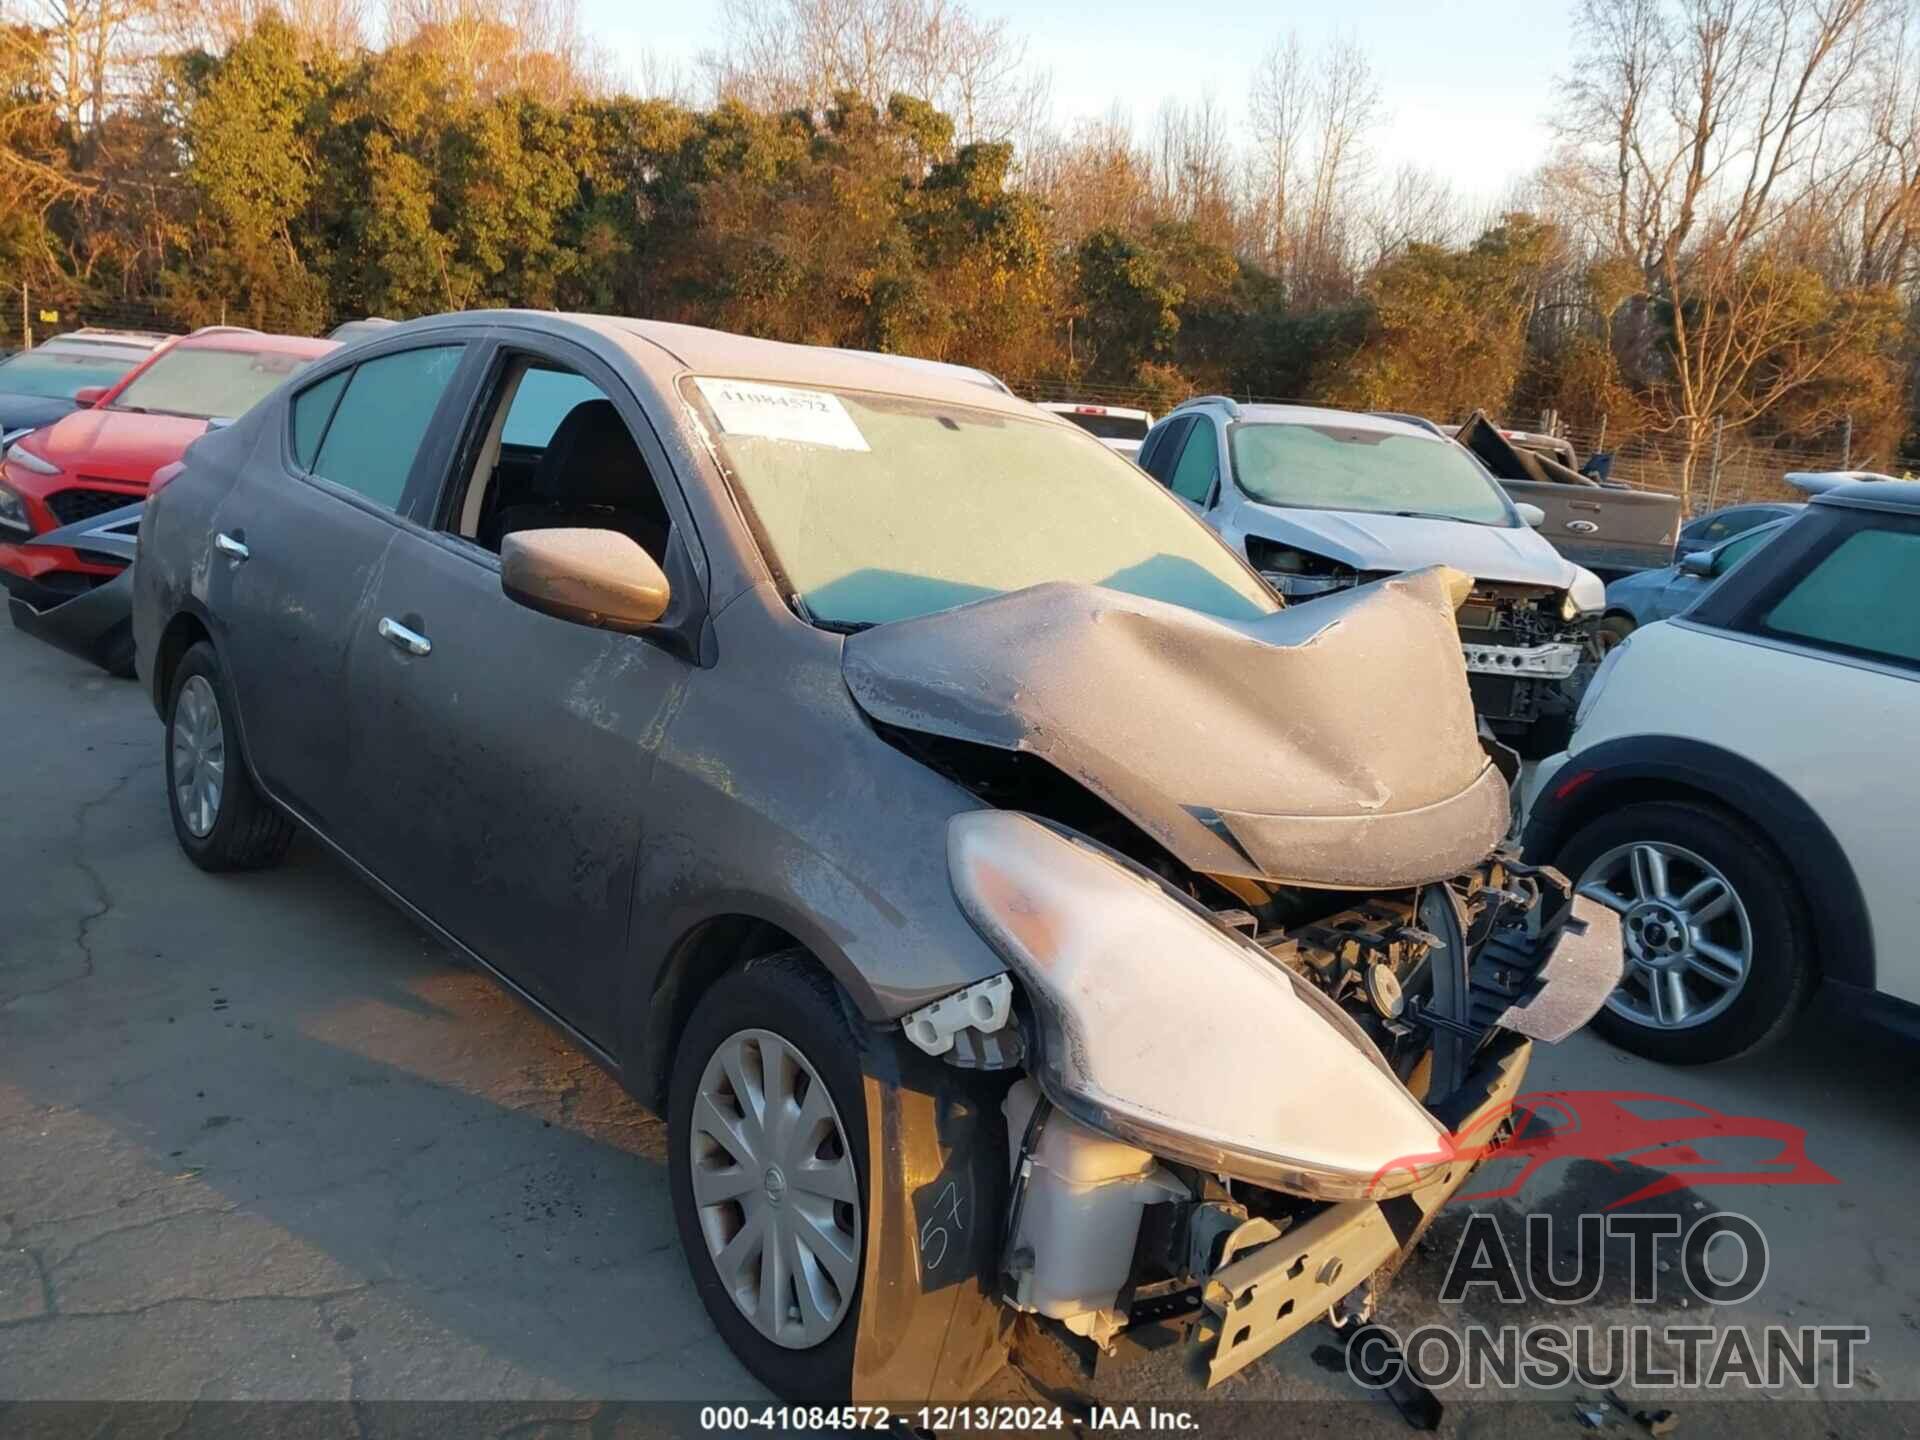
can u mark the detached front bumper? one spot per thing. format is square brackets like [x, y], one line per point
[1263, 1294]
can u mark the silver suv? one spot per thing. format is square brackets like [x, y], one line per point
[1319, 500]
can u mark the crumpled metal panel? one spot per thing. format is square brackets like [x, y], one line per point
[1333, 744]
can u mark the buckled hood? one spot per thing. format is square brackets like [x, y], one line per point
[1331, 745]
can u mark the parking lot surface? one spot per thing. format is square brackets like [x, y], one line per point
[260, 1138]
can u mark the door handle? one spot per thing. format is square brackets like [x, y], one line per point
[401, 638]
[234, 550]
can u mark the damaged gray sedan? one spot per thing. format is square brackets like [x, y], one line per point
[1013, 908]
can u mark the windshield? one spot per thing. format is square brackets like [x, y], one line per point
[55, 374]
[1110, 427]
[878, 508]
[1380, 472]
[207, 384]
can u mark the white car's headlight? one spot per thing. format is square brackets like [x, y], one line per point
[1162, 1028]
[1586, 596]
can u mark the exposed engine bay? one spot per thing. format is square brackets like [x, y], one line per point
[1103, 1236]
[1523, 650]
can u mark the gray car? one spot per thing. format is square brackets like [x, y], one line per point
[854, 760]
[1654, 595]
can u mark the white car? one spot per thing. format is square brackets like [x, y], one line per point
[1115, 426]
[1322, 500]
[1741, 787]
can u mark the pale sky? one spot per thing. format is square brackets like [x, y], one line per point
[1468, 84]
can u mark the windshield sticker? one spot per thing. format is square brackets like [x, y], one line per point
[778, 412]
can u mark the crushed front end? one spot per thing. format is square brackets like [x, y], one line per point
[1259, 1005]
[1246, 1190]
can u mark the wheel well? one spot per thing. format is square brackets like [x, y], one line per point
[183, 632]
[702, 956]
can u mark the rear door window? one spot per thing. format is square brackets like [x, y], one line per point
[1199, 463]
[379, 422]
[312, 409]
[1157, 458]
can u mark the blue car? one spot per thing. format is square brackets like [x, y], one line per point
[1636, 600]
[1703, 532]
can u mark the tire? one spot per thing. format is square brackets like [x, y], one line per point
[1767, 915]
[788, 998]
[1612, 629]
[245, 832]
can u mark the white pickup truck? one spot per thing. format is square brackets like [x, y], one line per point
[1115, 426]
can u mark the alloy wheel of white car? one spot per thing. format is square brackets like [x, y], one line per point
[775, 1190]
[1687, 936]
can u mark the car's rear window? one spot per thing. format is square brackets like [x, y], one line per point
[1109, 427]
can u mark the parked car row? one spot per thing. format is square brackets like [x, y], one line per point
[65, 481]
[1029, 882]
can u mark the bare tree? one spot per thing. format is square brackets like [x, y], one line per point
[1310, 116]
[1699, 129]
[506, 45]
[798, 54]
[83, 52]
[328, 26]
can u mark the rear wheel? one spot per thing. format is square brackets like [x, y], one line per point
[221, 821]
[768, 1158]
[1717, 948]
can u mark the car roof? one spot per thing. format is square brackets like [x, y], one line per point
[254, 342]
[1266, 414]
[664, 351]
[92, 340]
[1898, 496]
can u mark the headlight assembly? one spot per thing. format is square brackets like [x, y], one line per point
[13, 513]
[1586, 596]
[1161, 1028]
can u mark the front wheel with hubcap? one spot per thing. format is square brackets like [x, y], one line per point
[767, 1138]
[220, 820]
[1714, 939]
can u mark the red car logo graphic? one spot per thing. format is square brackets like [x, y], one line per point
[1619, 1128]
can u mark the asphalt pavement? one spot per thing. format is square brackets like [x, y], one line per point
[262, 1139]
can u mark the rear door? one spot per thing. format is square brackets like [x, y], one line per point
[298, 549]
[502, 756]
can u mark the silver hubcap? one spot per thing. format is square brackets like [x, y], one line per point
[1688, 942]
[199, 756]
[775, 1190]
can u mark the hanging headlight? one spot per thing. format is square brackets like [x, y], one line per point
[1162, 1028]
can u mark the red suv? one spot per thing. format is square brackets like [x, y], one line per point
[102, 457]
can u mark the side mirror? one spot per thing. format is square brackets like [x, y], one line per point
[1699, 563]
[1532, 515]
[591, 577]
[88, 396]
